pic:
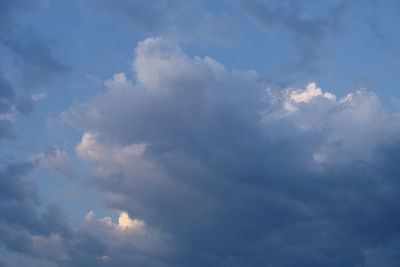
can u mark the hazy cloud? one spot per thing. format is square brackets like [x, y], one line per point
[177, 19]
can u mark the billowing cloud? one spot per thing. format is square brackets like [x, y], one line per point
[345, 123]
[238, 174]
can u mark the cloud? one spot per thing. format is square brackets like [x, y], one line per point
[24, 221]
[233, 171]
[7, 109]
[52, 157]
[105, 243]
[41, 235]
[345, 123]
[32, 60]
[308, 24]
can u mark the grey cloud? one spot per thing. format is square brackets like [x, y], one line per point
[308, 29]
[7, 100]
[36, 63]
[28, 45]
[32, 53]
[7, 94]
[235, 185]
[22, 218]
[42, 235]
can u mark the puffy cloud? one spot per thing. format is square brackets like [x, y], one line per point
[125, 223]
[237, 174]
[89, 215]
[345, 123]
[304, 96]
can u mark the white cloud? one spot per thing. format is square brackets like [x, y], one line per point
[158, 62]
[89, 216]
[346, 124]
[125, 223]
[106, 156]
[304, 96]
[38, 96]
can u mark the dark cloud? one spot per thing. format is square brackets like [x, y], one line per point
[205, 155]
[7, 99]
[24, 220]
[35, 234]
[33, 58]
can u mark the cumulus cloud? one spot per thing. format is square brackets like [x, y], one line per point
[344, 124]
[238, 174]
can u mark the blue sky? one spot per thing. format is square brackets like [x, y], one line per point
[199, 133]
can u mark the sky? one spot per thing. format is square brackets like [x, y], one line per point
[172, 133]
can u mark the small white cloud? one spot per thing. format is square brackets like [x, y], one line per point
[124, 222]
[104, 258]
[89, 216]
[38, 96]
[304, 96]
